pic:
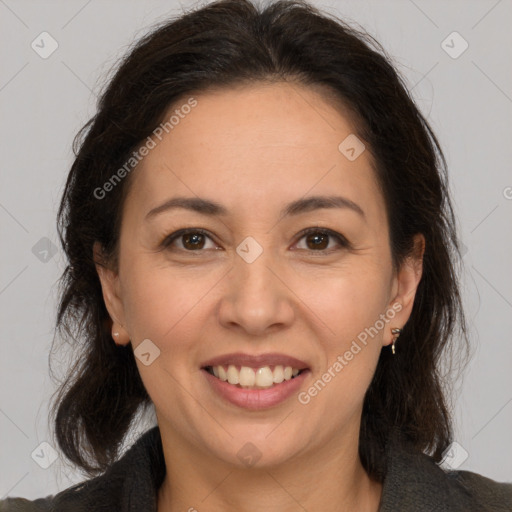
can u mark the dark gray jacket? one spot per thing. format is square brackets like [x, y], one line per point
[413, 483]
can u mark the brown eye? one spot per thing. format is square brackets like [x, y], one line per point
[194, 240]
[317, 240]
[191, 240]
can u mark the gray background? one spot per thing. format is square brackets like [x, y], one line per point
[43, 102]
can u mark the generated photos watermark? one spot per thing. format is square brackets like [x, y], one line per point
[137, 156]
[305, 397]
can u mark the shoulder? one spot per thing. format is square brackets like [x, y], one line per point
[24, 505]
[106, 489]
[130, 483]
[414, 481]
[76, 498]
[484, 492]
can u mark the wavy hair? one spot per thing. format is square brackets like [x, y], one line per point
[225, 44]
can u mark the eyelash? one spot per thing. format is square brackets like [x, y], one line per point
[343, 242]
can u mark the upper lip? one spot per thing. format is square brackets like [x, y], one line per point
[257, 361]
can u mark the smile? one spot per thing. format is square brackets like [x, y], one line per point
[253, 378]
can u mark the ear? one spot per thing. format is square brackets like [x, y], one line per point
[110, 287]
[404, 286]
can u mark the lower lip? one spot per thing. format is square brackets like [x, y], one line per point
[257, 399]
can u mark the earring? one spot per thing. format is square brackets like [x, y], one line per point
[396, 331]
[115, 335]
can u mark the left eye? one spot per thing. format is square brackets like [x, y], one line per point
[317, 240]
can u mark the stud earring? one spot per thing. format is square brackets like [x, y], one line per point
[115, 335]
[396, 332]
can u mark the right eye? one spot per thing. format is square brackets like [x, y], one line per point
[192, 239]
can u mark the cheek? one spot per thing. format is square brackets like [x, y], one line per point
[346, 301]
[160, 303]
[349, 308]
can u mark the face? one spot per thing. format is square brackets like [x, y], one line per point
[249, 280]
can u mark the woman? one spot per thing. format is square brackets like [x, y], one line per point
[262, 246]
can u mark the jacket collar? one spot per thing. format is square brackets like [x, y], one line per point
[140, 488]
[413, 481]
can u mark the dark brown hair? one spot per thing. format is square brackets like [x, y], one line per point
[221, 45]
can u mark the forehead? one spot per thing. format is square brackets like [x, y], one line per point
[256, 146]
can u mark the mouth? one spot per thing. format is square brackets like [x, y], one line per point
[247, 377]
[256, 383]
[255, 371]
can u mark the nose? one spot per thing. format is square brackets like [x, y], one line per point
[256, 298]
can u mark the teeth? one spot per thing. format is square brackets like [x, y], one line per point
[278, 374]
[248, 377]
[233, 376]
[222, 373]
[264, 377]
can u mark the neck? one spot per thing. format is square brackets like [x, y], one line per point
[330, 478]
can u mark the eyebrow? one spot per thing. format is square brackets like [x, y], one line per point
[304, 205]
